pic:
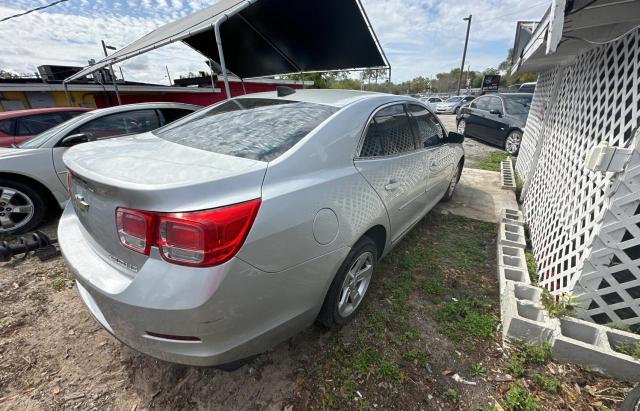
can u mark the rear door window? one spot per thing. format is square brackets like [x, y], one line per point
[428, 129]
[172, 114]
[389, 133]
[253, 128]
[36, 124]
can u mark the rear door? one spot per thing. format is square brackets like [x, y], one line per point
[436, 159]
[494, 123]
[391, 162]
[475, 117]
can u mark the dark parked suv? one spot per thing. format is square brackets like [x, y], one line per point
[496, 118]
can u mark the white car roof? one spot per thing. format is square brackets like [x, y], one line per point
[331, 97]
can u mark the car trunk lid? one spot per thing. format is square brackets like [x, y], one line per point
[147, 173]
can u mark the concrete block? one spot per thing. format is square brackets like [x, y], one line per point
[521, 317]
[591, 345]
[511, 216]
[507, 175]
[512, 274]
[511, 235]
[512, 257]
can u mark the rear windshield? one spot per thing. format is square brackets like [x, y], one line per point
[254, 128]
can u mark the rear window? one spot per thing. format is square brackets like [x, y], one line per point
[258, 129]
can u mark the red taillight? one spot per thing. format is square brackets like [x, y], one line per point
[135, 229]
[199, 238]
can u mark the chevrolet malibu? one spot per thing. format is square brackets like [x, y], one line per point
[214, 238]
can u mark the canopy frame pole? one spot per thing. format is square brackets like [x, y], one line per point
[223, 65]
[66, 93]
[244, 90]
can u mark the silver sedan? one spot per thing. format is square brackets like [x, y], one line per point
[33, 179]
[214, 238]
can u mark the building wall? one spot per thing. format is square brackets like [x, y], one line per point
[59, 99]
[576, 240]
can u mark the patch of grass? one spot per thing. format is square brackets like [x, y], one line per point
[363, 361]
[629, 348]
[547, 384]
[492, 161]
[518, 399]
[452, 395]
[477, 370]
[466, 319]
[558, 306]
[59, 283]
[525, 354]
[389, 370]
[434, 287]
[532, 267]
[519, 186]
[399, 288]
[418, 356]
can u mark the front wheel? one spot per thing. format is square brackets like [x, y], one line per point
[512, 142]
[350, 285]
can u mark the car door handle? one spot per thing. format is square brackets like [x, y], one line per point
[392, 185]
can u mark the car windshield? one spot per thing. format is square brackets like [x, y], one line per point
[453, 99]
[517, 104]
[254, 128]
[40, 139]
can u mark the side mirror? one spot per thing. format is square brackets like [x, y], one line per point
[496, 112]
[74, 139]
[455, 138]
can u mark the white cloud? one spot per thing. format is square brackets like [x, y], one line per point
[420, 37]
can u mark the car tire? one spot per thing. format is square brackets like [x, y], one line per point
[632, 401]
[512, 142]
[14, 194]
[453, 184]
[339, 306]
[455, 111]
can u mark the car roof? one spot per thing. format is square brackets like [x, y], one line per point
[514, 94]
[142, 106]
[331, 97]
[29, 112]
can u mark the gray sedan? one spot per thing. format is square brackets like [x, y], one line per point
[33, 179]
[214, 238]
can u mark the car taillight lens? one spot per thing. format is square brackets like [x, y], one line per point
[199, 238]
[135, 229]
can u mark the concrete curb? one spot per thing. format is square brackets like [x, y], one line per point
[523, 316]
[507, 175]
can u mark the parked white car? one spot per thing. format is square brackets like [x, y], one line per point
[431, 102]
[33, 178]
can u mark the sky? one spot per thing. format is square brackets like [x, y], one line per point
[420, 37]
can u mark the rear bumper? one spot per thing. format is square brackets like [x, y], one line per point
[234, 310]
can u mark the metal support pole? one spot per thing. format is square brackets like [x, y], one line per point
[464, 54]
[244, 90]
[168, 75]
[113, 74]
[225, 76]
[66, 93]
[213, 83]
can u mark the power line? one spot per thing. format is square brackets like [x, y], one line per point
[32, 10]
[521, 10]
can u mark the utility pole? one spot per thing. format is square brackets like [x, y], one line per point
[113, 74]
[464, 54]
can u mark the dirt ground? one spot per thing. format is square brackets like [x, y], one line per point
[405, 350]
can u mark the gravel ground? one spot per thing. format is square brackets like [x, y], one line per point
[475, 150]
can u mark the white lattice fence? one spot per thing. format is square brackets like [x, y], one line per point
[535, 122]
[596, 98]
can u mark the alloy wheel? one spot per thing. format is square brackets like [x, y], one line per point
[461, 126]
[512, 143]
[355, 284]
[16, 209]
